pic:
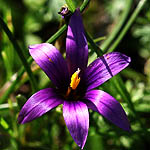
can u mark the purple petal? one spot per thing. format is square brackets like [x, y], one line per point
[109, 107]
[104, 68]
[76, 116]
[76, 44]
[38, 104]
[52, 63]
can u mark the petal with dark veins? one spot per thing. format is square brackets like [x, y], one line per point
[107, 106]
[51, 62]
[38, 104]
[76, 116]
[104, 68]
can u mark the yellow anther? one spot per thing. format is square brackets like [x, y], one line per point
[75, 80]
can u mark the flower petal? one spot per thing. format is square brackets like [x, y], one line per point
[76, 44]
[104, 68]
[107, 106]
[38, 104]
[52, 63]
[76, 117]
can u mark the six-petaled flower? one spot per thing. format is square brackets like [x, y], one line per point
[75, 83]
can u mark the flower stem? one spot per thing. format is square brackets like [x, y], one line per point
[99, 39]
[71, 5]
[7, 106]
[98, 51]
[118, 26]
[84, 5]
[57, 34]
[128, 25]
[20, 53]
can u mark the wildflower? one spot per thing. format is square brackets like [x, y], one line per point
[75, 82]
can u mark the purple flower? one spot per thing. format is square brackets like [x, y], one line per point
[75, 82]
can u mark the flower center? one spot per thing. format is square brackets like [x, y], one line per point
[75, 80]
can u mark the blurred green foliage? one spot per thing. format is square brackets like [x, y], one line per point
[33, 21]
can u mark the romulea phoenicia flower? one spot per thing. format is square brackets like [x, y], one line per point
[74, 82]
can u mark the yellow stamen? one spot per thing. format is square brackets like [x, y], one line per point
[75, 80]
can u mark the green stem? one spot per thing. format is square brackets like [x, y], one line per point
[54, 37]
[19, 52]
[99, 39]
[71, 5]
[7, 106]
[118, 26]
[84, 5]
[128, 25]
[94, 47]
